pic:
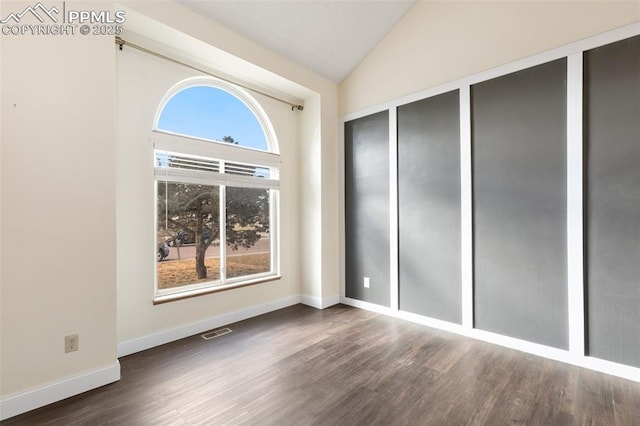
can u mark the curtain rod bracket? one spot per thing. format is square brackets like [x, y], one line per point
[120, 42]
[297, 107]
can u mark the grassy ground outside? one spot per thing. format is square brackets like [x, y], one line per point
[182, 272]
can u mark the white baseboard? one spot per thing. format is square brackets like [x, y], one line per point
[129, 347]
[580, 360]
[319, 303]
[608, 367]
[368, 306]
[432, 322]
[16, 404]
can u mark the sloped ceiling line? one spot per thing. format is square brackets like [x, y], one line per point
[328, 37]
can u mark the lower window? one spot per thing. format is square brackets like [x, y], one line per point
[193, 219]
[248, 248]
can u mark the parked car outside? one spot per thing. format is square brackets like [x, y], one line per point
[188, 237]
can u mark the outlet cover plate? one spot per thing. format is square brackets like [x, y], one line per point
[71, 343]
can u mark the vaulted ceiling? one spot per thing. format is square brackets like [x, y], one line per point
[327, 36]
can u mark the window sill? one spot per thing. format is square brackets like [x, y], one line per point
[209, 290]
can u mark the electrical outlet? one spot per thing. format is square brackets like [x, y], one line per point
[367, 282]
[71, 343]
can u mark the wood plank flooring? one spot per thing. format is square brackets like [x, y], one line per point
[344, 366]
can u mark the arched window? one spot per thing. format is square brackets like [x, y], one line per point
[211, 113]
[216, 173]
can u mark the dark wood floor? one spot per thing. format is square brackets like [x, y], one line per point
[344, 366]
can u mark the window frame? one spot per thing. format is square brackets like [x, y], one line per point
[242, 95]
[166, 141]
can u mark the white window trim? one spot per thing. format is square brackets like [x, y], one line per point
[201, 147]
[182, 144]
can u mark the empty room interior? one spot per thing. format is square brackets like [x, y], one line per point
[320, 212]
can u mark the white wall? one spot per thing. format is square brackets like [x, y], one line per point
[311, 180]
[329, 199]
[438, 42]
[317, 136]
[67, 174]
[319, 200]
[58, 260]
[142, 80]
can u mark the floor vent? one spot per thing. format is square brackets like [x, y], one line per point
[216, 333]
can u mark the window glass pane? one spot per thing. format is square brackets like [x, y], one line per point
[188, 234]
[210, 113]
[248, 242]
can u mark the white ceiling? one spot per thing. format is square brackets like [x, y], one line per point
[329, 37]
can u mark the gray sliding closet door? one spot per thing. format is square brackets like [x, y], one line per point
[429, 207]
[612, 135]
[519, 195]
[366, 143]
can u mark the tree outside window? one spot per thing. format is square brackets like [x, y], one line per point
[203, 200]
